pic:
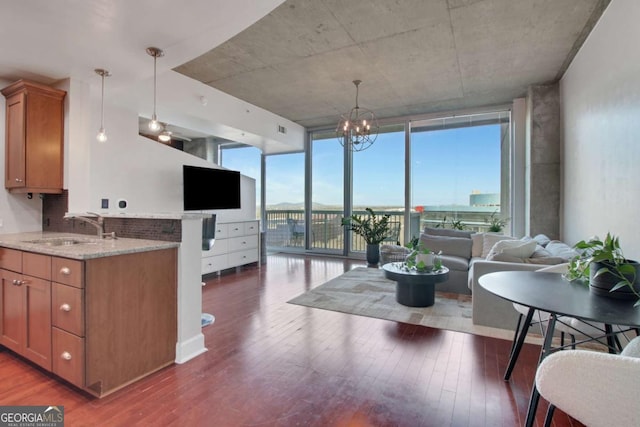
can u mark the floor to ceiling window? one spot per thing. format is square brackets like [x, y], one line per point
[284, 207]
[459, 170]
[327, 193]
[378, 182]
[452, 172]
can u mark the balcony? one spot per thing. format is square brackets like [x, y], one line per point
[285, 229]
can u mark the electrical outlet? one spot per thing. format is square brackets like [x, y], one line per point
[105, 204]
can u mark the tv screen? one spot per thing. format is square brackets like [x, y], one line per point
[207, 188]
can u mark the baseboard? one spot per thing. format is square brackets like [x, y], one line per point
[189, 349]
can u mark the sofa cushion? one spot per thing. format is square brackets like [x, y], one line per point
[457, 246]
[476, 244]
[560, 249]
[491, 239]
[447, 232]
[515, 248]
[540, 252]
[455, 263]
[510, 258]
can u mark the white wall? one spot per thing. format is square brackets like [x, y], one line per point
[600, 107]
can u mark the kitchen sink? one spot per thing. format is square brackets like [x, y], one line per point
[63, 241]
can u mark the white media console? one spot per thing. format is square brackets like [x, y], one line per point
[236, 243]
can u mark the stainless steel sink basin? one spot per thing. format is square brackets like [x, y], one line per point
[63, 241]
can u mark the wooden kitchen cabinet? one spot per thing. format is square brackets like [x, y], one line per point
[25, 308]
[34, 143]
[99, 323]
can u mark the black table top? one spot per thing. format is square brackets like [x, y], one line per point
[550, 292]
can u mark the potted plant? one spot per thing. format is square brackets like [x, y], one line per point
[603, 265]
[372, 228]
[496, 223]
[422, 258]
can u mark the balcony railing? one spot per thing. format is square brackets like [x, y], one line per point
[286, 228]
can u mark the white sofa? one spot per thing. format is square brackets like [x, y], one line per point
[471, 255]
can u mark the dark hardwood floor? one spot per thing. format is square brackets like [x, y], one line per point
[276, 364]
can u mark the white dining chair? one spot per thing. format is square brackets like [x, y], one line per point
[597, 389]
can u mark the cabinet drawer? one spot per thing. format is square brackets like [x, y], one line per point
[236, 229]
[243, 257]
[68, 356]
[214, 263]
[220, 246]
[222, 231]
[242, 243]
[67, 308]
[11, 259]
[251, 228]
[36, 265]
[67, 271]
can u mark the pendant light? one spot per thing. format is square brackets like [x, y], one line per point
[102, 135]
[357, 129]
[154, 124]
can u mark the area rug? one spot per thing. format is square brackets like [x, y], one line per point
[365, 292]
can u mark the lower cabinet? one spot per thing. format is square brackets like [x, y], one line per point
[25, 304]
[99, 324]
[236, 244]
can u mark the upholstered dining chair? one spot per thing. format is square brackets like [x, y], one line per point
[597, 389]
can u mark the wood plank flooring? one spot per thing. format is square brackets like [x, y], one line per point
[276, 364]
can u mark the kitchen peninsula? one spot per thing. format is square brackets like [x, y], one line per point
[98, 313]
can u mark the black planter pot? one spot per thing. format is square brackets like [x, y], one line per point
[373, 254]
[603, 284]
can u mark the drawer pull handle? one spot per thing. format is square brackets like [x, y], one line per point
[66, 355]
[18, 180]
[65, 307]
[15, 282]
[65, 270]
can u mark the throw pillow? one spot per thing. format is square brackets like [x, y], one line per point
[447, 232]
[514, 248]
[561, 249]
[476, 244]
[542, 240]
[489, 240]
[456, 246]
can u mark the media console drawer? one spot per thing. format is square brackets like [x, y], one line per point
[236, 243]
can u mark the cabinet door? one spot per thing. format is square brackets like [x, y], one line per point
[15, 140]
[12, 326]
[37, 301]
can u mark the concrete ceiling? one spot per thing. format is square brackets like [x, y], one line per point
[413, 56]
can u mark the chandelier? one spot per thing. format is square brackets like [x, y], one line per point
[358, 129]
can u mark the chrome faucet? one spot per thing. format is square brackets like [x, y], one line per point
[97, 223]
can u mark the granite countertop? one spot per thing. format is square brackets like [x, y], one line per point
[84, 246]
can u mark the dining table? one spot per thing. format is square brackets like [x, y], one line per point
[561, 298]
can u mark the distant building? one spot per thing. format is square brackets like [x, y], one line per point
[484, 199]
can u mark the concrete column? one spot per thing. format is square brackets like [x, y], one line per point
[543, 160]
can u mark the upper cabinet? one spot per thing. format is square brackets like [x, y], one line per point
[34, 138]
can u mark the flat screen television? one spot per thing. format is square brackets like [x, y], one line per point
[208, 188]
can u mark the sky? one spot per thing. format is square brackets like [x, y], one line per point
[447, 165]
